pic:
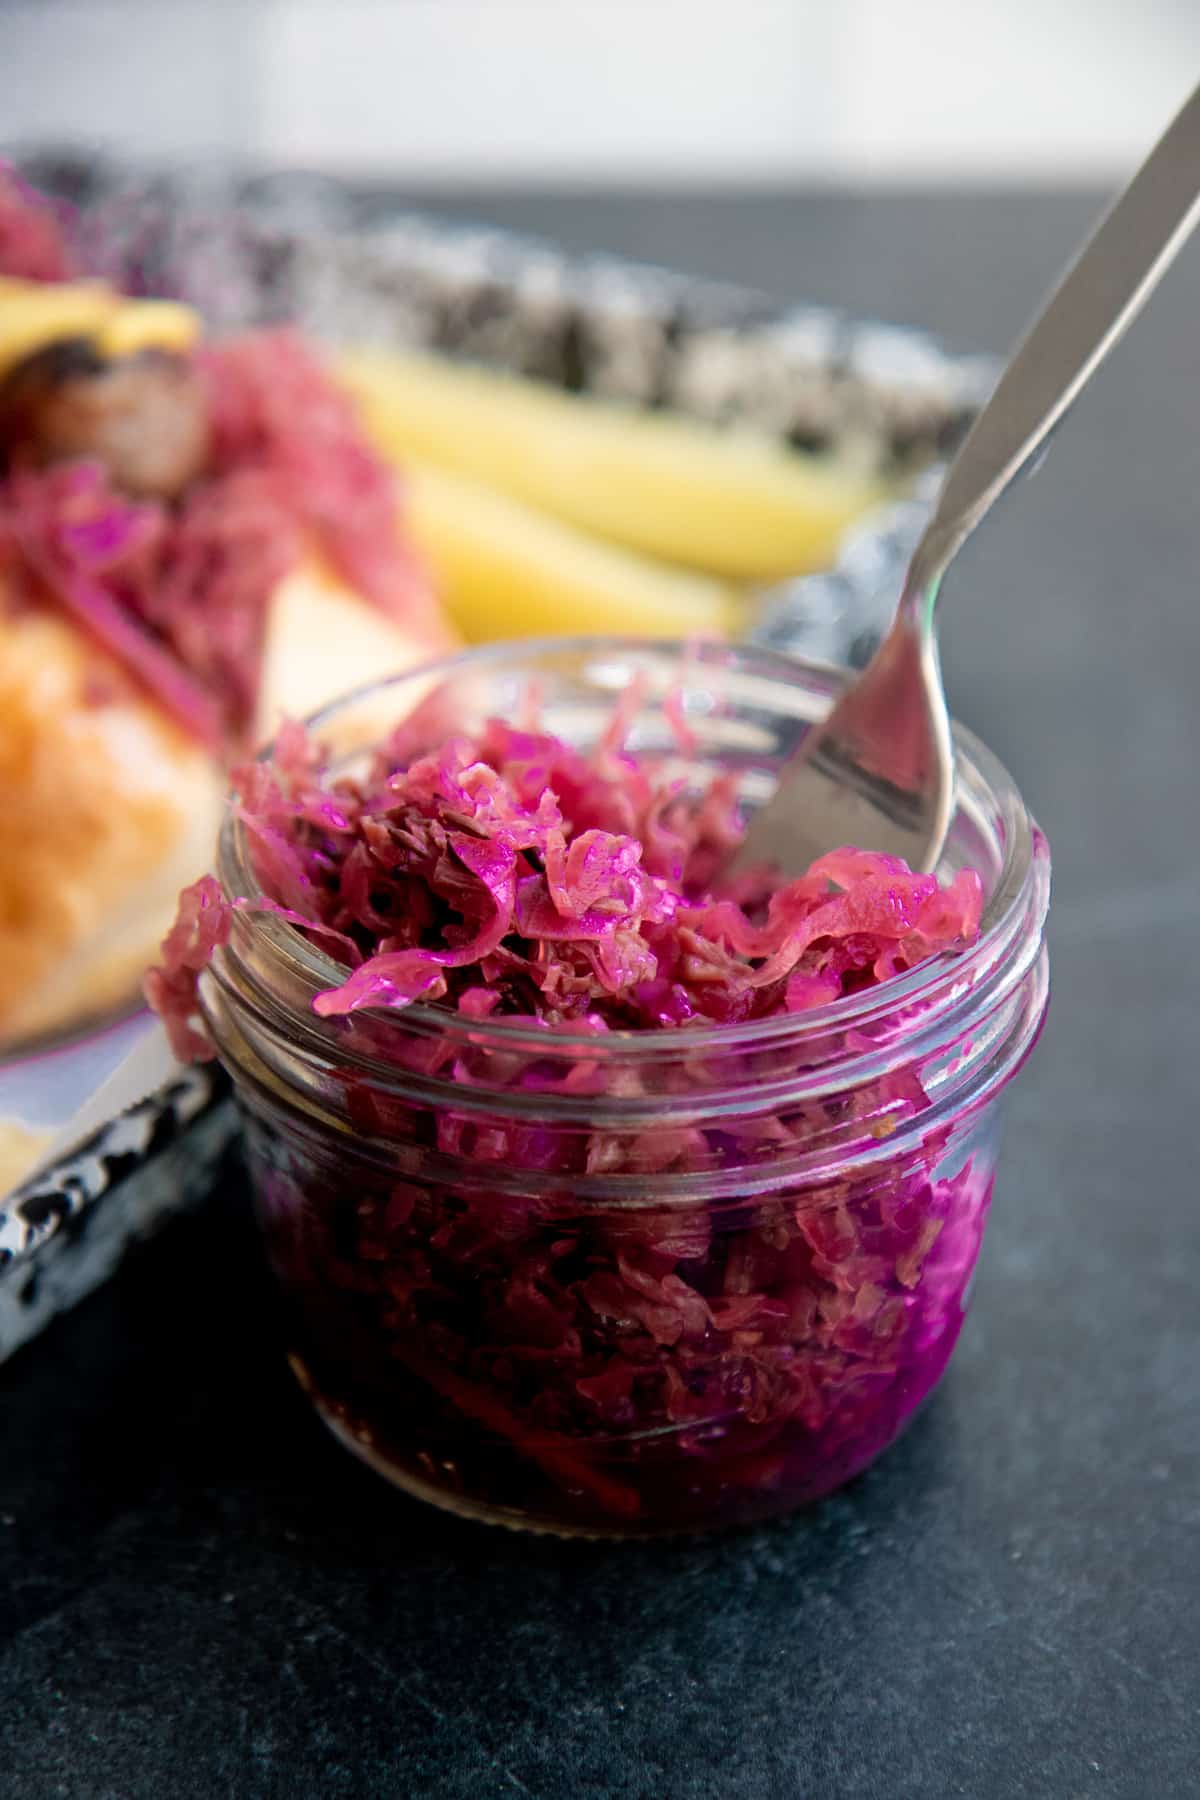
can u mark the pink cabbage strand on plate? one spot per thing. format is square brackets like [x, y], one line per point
[33, 239]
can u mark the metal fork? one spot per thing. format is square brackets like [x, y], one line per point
[878, 772]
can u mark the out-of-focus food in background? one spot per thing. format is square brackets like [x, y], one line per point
[734, 502]
[200, 537]
[196, 541]
[505, 570]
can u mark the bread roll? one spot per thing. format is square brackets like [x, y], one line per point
[106, 810]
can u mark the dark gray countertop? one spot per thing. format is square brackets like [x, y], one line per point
[200, 1595]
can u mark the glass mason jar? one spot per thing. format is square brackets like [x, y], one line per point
[644, 1281]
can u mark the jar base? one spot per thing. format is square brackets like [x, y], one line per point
[479, 1512]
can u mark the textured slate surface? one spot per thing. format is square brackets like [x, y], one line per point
[201, 1596]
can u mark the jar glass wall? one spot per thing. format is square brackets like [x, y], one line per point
[646, 1281]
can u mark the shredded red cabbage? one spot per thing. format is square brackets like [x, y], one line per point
[33, 244]
[576, 1366]
[180, 591]
[276, 413]
[512, 875]
[461, 1307]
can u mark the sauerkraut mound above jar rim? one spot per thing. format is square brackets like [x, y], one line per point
[934, 988]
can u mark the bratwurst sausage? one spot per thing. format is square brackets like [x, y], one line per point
[145, 416]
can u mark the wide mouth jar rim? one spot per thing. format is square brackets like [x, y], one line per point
[1012, 918]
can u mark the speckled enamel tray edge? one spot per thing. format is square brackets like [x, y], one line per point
[592, 324]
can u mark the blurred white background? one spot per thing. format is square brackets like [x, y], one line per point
[570, 91]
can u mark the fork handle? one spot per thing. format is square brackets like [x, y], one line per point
[1101, 293]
